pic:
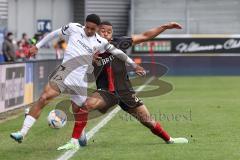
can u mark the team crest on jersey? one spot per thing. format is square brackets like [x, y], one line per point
[65, 27]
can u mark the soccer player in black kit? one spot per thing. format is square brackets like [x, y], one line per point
[114, 86]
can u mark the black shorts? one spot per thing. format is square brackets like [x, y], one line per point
[126, 100]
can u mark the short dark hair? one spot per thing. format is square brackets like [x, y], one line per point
[9, 34]
[94, 19]
[24, 34]
[106, 23]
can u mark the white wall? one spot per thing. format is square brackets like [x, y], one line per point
[196, 16]
[23, 14]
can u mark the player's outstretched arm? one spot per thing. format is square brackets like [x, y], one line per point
[57, 33]
[152, 33]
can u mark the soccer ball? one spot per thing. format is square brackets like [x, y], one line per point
[57, 119]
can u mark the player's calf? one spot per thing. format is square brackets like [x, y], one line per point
[34, 113]
[159, 131]
[142, 114]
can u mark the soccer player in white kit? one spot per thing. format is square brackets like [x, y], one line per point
[70, 76]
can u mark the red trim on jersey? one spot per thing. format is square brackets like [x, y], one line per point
[111, 86]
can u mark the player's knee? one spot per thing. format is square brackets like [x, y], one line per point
[90, 104]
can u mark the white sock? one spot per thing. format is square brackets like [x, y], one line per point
[75, 141]
[27, 124]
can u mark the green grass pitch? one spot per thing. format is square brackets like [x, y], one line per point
[203, 109]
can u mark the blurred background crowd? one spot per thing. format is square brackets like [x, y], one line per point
[17, 50]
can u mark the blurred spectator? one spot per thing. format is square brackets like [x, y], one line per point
[37, 37]
[2, 59]
[24, 42]
[60, 47]
[23, 46]
[8, 48]
[33, 41]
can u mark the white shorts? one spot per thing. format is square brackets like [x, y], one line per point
[74, 83]
[77, 82]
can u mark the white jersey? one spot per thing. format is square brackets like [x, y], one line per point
[77, 62]
[82, 46]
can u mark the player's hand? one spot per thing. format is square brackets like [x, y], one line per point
[96, 57]
[140, 71]
[32, 51]
[173, 25]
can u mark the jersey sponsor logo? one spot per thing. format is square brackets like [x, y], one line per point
[85, 46]
[105, 61]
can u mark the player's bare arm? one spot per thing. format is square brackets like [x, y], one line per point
[152, 33]
[34, 49]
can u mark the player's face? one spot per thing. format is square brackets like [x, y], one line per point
[90, 28]
[106, 32]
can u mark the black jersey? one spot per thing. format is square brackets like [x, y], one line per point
[111, 72]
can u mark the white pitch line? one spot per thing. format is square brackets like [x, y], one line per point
[69, 154]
